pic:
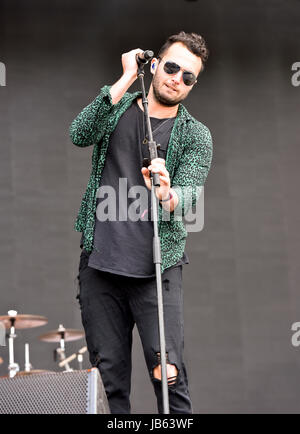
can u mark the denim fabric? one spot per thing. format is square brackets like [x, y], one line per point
[110, 307]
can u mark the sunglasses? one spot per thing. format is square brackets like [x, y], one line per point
[172, 68]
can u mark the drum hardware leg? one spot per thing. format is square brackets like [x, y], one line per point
[62, 356]
[73, 356]
[28, 365]
[79, 360]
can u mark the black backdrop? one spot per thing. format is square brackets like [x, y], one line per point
[241, 287]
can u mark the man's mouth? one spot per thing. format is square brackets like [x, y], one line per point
[171, 88]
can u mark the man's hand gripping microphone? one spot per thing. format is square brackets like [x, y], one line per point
[144, 57]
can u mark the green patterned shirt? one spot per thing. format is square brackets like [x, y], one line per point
[188, 161]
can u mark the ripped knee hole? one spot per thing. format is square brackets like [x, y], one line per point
[172, 371]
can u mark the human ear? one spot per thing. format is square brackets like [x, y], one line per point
[153, 65]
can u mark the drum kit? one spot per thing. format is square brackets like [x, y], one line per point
[13, 321]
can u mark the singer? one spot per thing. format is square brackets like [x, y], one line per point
[117, 285]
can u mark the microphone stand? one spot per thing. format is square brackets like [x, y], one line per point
[155, 182]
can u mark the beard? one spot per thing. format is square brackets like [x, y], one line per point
[165, 100]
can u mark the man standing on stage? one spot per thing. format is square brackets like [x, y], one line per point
[117, 285]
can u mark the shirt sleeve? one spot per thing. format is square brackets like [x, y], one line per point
[192, 171]
[89, 126]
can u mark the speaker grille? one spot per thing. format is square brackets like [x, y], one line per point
[77, 392]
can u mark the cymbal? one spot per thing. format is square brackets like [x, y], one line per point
[23, 321]
[57, 335]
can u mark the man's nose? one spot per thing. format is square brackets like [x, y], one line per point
[177, 77]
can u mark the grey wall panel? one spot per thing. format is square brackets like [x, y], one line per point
[242, 284]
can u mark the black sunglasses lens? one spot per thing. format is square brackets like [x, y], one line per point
[171, 68]
[188, 78]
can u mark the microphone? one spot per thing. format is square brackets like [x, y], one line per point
[144, 57]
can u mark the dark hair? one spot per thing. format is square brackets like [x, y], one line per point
[193, 42]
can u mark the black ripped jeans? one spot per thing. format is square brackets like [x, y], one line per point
[110, 307]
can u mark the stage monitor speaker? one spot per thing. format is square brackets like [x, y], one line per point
[74, 392]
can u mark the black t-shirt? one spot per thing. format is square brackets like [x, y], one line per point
[122, 245]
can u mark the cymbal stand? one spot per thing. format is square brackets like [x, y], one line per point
[61, 350]
[13, 367]
[28, 365]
